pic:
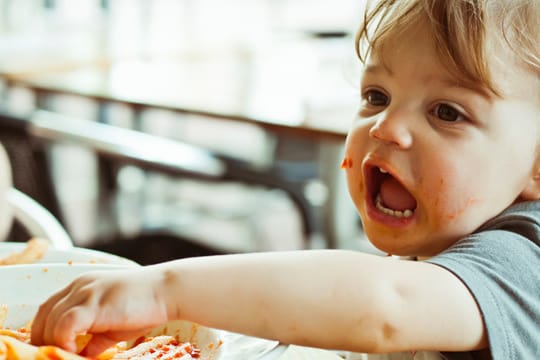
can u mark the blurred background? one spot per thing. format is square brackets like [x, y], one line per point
[262, 91]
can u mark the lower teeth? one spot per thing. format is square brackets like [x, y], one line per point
[397, 213]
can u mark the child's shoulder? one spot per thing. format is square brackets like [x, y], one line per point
[521, 219]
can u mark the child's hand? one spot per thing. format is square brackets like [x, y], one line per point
[109, 305]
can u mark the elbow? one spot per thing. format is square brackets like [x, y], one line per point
[377, 328]
[379, 337]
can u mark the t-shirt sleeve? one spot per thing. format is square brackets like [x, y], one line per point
[501, 269]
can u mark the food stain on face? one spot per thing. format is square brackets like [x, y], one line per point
[440, 202]
[459, 212]
[347, 163]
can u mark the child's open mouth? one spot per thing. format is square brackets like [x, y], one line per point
[388, 195]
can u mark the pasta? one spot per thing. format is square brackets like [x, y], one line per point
[14, 349]
[158, 347]
[34, 250]
[15, 345]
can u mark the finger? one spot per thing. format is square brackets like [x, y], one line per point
[98, 344]
[101, 342]
[44, 310]
[70, 314]
[73, 322]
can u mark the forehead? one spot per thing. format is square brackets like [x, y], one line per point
[509, 74]
[411, 50]
[415, 45]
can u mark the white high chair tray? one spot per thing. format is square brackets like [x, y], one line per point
[69, 256]
[24, 287]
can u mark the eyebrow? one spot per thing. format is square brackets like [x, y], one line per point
[376, 69]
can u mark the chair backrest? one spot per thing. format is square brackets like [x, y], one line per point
[29, 163]
[6, 215]
[37, 220]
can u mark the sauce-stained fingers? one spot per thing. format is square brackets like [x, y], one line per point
[54, 308]
[40, 320]
[73, 314]
[69, 325]
[97, 345]
[103, 341]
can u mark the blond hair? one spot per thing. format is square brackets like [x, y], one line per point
[460, 31]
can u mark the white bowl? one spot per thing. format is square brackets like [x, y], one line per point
[74, 255]
[24, 287]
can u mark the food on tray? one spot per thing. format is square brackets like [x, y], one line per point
[42, 251]
[14, 345]
[35, 249]
[158, 347]
[14, 349]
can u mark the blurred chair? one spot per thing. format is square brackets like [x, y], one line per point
[29, 168]
[37, 220]
[6, 215]
[31, 198]
[28, 139]
[18, 208]
[176, 158]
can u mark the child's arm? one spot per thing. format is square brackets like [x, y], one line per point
[329, 298]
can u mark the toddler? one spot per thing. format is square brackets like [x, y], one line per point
[442, 163]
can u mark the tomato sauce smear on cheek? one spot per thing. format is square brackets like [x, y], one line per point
[347, 163]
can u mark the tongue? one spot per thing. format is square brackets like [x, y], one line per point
[394, 195]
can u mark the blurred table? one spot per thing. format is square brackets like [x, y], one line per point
[272, 95]
[32, 53]
[290, 90]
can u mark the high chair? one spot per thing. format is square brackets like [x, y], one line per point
[16, 206]
[37, 220]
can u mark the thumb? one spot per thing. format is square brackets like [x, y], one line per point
[98, 344]
[102, 341]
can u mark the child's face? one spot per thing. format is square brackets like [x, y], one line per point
[452, 158]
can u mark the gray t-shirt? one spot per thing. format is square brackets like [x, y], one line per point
[500, 264]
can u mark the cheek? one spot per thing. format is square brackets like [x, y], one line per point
[352, 165]
[355, 182]
[448, 191]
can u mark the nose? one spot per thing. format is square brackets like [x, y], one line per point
[392, 129]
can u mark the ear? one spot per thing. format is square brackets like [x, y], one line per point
[532, 188]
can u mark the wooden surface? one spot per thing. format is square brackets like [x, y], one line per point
[281, 91]
[299, 87]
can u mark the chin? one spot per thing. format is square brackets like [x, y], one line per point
[395, 250]
[402, 247]
[396, 244]
[390, 244]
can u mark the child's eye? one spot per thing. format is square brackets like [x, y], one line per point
[375, 97]
[447, 112]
